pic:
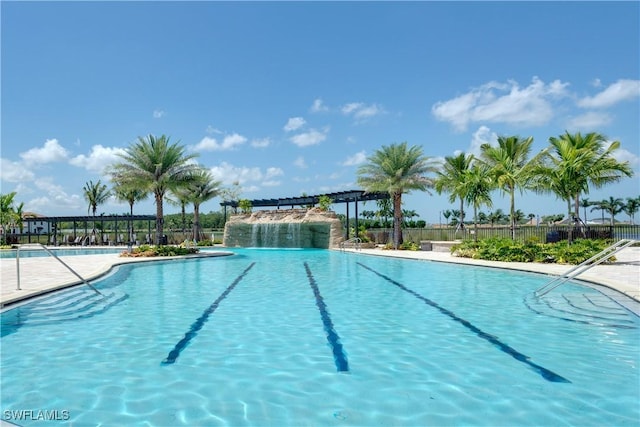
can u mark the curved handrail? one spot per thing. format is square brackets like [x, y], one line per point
[355, 240]
[56, 257]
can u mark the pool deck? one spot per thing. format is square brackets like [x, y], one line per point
[40, 275]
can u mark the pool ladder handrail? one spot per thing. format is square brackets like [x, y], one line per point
[597, 259]
[56, 257]
[354, 240]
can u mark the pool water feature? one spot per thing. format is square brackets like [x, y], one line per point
[316, 337]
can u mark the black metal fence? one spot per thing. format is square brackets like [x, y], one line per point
[540, 233]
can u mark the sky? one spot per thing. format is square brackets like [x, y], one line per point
[289, 98]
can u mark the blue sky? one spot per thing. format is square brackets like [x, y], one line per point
[290, 97]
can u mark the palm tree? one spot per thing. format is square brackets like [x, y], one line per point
[95, 194]
[510, 167]
[585, 203]
[446, 214]
[583, 161]
[452, 178]
[613, 206]
[155, 165]
[631, 207]
[202, 188]
[396, 169]
[496, 217]
[131, 196]
[7, 213]
[599, 206]
[478, 192]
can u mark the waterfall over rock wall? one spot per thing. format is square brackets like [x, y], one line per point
[284, 228]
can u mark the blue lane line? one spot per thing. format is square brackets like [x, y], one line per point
[198, 324]
[546, 374]
[339, 357]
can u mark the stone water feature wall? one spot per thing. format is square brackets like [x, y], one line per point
[284, 228]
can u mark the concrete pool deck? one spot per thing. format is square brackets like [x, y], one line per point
[40, 275]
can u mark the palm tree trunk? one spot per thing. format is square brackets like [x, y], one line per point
[397, 220]
[159, 218]
[513, 213]
[196, 222]
[475, 223]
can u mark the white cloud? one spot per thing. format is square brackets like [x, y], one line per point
[261, 142]
[99, 158]
[622, 90]
[210, 129]
[502, 103]
[229, 142]
[483, 135]
[312, 137]
[318, 106]
[294, 123]
[623, 155]
[361, 112]
[358, 158]
[14, 172]
[589, 121]
[54, 198]
[229, 174]
[50, 152]
[157, 114]
[300, 163]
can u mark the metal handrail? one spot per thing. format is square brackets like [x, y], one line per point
[355, 240]
[597, 259]
[56, 257]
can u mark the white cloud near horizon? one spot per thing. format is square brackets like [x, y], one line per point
[502, 103]
[622, 90]
[229, 142]
[99, 158]
[50, 152]
[229, 174]
[311, 137]
[355, 160]
[294, 123]
[14, 172]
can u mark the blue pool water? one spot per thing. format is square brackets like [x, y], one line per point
[316, 337]
[28, 253]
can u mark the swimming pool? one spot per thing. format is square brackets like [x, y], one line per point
[37, 252]
[316, 337]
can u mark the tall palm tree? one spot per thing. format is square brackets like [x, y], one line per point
[453, 179]
[396, 169]
[583, 161]
[95, 194]
[131, 195]
[631, 207]
[202, 189]
[511, 168]
[155, 165]
[478, 192]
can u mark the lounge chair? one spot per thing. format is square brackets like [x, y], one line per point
[76, 241]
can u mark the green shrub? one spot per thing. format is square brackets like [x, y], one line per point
[496, 249]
